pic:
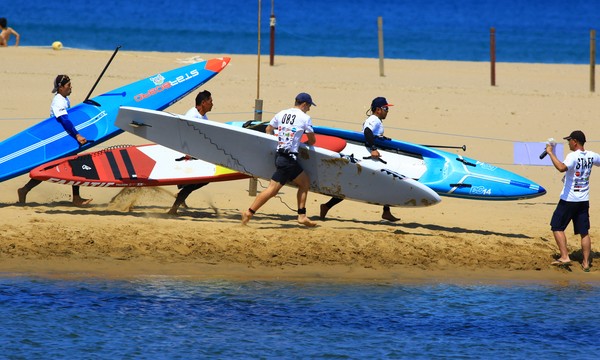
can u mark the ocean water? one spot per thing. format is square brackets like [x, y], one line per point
[160, 318]
[535, 31]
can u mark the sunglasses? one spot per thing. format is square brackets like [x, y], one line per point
[385, 108]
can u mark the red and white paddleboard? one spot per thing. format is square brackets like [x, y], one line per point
[144, 165]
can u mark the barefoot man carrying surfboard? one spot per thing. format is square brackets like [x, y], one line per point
[291, 124]
[58, 109]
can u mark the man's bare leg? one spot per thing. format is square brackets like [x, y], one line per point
[586, 249]
[303, 183]
[260, 200]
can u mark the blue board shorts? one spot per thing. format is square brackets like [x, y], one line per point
[570, 210]
[287, 168]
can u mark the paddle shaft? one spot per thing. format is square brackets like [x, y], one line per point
[102, 73]
[464, 147]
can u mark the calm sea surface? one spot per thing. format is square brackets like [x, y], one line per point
[159, 318]
[544, 31]
[162, 318]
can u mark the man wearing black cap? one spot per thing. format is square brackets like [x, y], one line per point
[574, 199]
[372, 128]
[58, 109]
[291, 124]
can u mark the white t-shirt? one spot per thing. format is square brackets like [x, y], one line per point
[59, 105]
[374, 123]
[193, 112]
[577, 177]
[290, 125]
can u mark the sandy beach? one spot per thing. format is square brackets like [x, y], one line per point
[128, 233]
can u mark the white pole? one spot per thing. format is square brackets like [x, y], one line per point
[253, 184]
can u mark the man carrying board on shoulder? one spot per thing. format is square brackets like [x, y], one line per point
[59, 109]
[291, 124]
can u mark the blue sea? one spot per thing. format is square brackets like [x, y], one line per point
[534, 31]
[158, 318]
[171, 318]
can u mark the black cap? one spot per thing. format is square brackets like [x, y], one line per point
[379, 102]
[577, 135]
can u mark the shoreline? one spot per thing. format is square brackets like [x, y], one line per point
[120, 270]
[266, 56]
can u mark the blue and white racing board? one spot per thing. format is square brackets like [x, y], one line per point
[95, 118]
[446, 173]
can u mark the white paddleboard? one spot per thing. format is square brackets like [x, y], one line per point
[253, 153]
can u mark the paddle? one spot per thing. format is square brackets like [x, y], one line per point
[376, 158]
[87, 98]
[464, 147]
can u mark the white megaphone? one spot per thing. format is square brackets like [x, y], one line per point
[549, 142]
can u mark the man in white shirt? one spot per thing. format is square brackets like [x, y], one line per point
[574, 199]
[372, 128]
[204, 104]
[58, 109]
[291, 124]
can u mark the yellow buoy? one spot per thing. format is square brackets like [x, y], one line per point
[57, 45]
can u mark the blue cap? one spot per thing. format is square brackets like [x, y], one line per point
[304, 97]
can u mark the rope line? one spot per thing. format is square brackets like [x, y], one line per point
[251, 114]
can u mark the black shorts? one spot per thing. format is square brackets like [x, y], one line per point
[287, 168]
[570, 210]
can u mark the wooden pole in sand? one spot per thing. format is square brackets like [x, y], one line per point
[272, 23]
[380, 38]
[493, 56]
[258, 57]
[257, 104]
[592, 60]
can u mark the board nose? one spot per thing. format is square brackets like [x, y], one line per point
[217, 64]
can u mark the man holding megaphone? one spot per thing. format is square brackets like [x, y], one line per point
[574, 198]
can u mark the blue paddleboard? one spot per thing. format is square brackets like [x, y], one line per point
[445, 173]
[94, 118]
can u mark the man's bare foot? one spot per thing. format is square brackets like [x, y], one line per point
[246, 216]
[389, 217]
[304, 220]
[80, 139]
[323, 213]
[79, 201]
[22, 192]
[172, 211]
